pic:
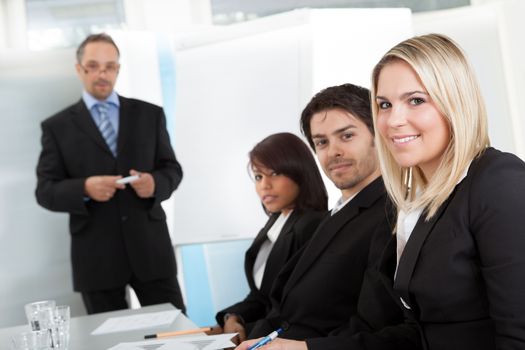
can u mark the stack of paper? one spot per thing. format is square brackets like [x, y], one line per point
[201, 342]
[134, 322]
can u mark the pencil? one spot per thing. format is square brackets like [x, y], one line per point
[176, 333]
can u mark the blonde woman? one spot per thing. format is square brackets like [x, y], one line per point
[460, 269]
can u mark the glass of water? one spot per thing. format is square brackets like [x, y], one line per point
[35, 315]
[61, 327]
[32, 340]
[46, 316]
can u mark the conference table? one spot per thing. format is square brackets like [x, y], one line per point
[82, 326]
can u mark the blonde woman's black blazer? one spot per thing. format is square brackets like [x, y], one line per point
[463, 272]
[461, 277]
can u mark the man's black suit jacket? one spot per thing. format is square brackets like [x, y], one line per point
[317, 291]
[296, 232]
[127, 235]
[379, 323]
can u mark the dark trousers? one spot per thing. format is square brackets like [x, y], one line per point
[148, 293]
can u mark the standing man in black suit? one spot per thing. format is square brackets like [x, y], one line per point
[317, 291]
[118, 231]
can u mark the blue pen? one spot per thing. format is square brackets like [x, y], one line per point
[266, 339]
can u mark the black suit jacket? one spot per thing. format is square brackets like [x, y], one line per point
[296, 232]
[317, 291]
[127, 235]
[463, 272]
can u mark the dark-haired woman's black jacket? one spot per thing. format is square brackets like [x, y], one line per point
[296, 232]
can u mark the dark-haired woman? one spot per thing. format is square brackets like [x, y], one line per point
[293, 195]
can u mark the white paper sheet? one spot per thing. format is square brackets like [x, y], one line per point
[200, 342]
[134, 322]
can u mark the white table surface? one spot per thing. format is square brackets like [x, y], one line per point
[81, 328]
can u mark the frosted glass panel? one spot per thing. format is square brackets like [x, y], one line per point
[34, 254]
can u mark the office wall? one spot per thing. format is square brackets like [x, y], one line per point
[488, 34]
[511, 31]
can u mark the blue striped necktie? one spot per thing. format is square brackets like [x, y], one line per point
[106, 129]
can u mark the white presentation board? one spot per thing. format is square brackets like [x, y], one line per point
[234, 90]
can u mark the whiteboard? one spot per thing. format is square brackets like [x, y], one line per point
[229, 96]
[234, 90]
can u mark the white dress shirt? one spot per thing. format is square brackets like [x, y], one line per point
[406, 223]
[262, 256]
[341, 202]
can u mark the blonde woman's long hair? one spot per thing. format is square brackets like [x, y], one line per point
[450, 82]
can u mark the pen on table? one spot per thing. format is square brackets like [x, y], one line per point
[266, 339]
[176, 333]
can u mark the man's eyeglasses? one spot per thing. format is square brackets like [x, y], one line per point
[95, 68]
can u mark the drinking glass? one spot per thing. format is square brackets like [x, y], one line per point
[45, 315]
[61, 330]
[32, 340]
[34, 313]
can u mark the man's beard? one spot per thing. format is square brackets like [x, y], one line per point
[354, 176]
